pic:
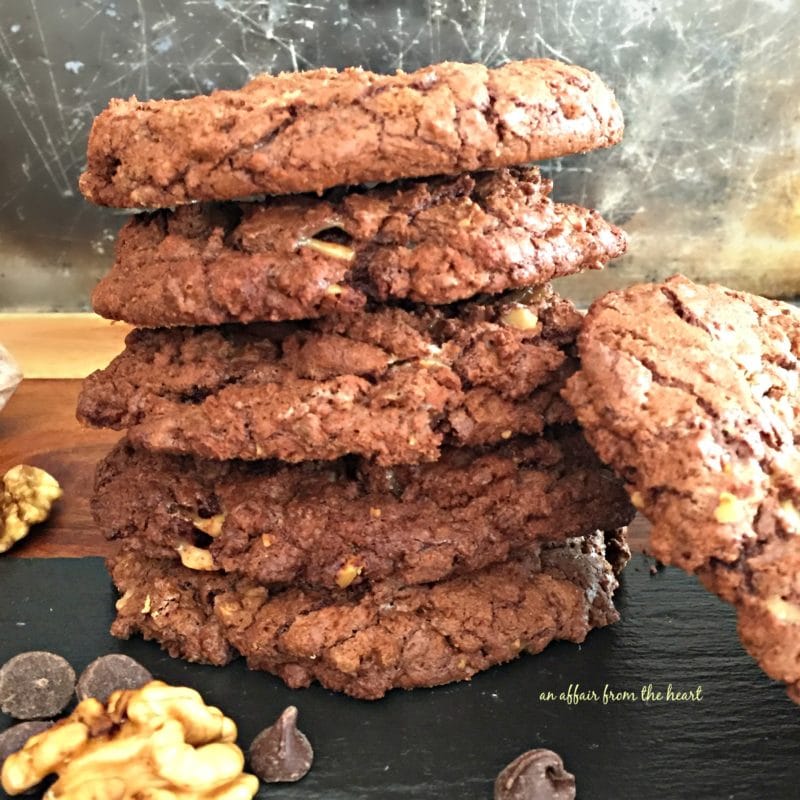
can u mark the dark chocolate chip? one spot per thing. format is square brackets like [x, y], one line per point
[109, 673]
[36, 685]
[535, 775]
[14, 737]
[281, 753]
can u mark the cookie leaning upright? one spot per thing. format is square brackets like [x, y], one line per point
[309, 131]
[692, 394]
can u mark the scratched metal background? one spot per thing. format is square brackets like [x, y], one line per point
[707, 180]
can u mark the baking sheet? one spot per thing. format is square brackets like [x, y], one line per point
[740, 739]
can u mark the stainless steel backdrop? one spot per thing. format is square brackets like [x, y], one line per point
[707, 181]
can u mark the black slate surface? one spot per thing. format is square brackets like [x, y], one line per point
[740, 740]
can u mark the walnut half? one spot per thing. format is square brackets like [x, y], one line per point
[159, 741]
[28, 495]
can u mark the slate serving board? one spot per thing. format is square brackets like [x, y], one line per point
[741, 739]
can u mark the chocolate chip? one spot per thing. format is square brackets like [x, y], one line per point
[281, 753]
[109, 673]
[14, 737]
[535, 775]
[36, 685]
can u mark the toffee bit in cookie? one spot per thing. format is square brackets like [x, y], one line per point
[347, 573]
[521, 318]
[36, 685]
[791, 516]
[196, 557]
[212, 526]
[535, 775]
[730, 509]
[783, 610]
[637, 500]
[330, 249]
[110, 673]
[281, 753]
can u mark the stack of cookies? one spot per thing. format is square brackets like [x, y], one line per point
[347, 455]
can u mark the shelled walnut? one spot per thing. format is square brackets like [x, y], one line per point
[28, 494]
[161, 742]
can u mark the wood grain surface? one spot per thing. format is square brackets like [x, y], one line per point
[61, 345]
[38, 427]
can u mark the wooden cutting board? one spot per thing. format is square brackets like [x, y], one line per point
[38, 427]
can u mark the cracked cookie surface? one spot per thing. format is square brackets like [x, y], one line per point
[435, 241]
[309, 131]
[388, 383]
[350, 522]
[692, 393]
[365, 643]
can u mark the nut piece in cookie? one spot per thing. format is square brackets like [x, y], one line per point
[536, 775]
[281, 753]
[159, 740]
[692, 394]
[36, 685]
[27, 497]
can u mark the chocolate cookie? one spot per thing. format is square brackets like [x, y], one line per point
[364, 643]
[388, 383]
[295, 258]
[308, 131]
[691, 393]
[347, 522]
